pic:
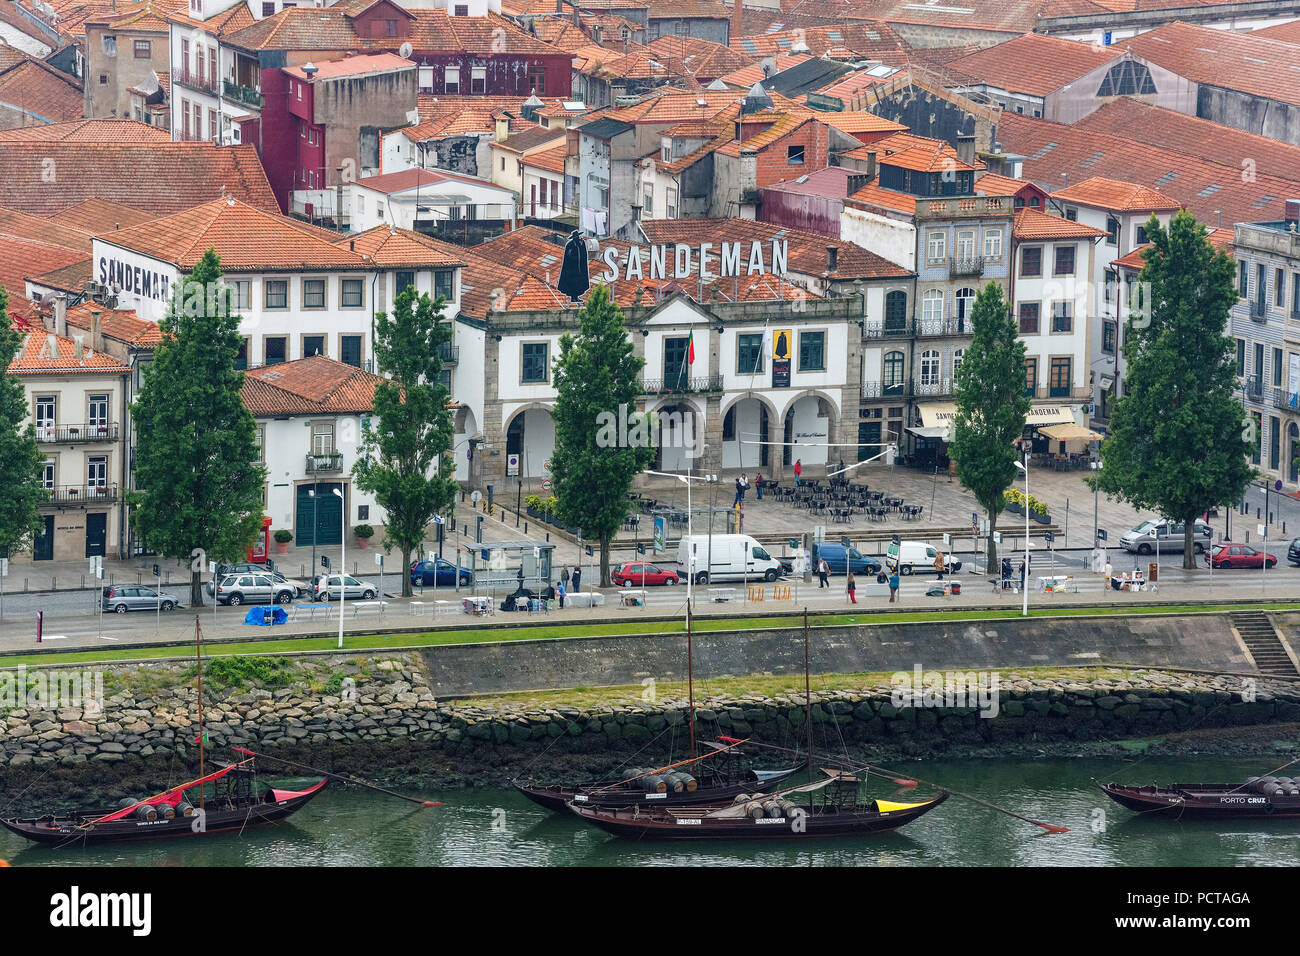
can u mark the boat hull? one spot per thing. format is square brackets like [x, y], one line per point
[558, 798]
[1203, 801]
[67, 832]
[819, 823]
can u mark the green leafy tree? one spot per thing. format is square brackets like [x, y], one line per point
[1179, 435]
[21, 491]
[200, 486]
[991, 406]
[414, 431]
[596, 372]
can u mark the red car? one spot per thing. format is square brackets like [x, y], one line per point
[1229, 555]
[632, 575]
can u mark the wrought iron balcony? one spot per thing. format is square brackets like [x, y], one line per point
[965, 265]
[932, 387]
[71, 434]
[882, 389]
[241, 94]
[82, 495]
[449, 354]
[1253, 387]
[939, 327]
[196, 81]
[675, 386]
[324, 464]
[887, 328]
[1258, 311]
[1281, 398]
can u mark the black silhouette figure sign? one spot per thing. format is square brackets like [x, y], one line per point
[575, 280]
[782, 349]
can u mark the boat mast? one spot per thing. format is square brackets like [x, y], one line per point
[807, 690]
[198, 660]
[690, 674]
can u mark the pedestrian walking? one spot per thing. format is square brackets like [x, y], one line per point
[853, 587]
[798, 470]
[1022, 574]
[577, 580]
[1109, 571]
[1006, 574]
[740, 494]
[939, 564]
[758, 485]
[564, 576]
[823, 569]
[893, 586]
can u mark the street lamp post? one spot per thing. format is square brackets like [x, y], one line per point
[1024, 610]
[690, 569]
[343, 557]
[314, 527]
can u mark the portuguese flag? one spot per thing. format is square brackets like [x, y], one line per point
[690, 350]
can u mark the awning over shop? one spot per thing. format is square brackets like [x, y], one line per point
[1069, 432]
[1040, 415]
[930, 431]
[936, 414]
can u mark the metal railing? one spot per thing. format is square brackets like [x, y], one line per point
[965, 265]
[1253, 387]
[1258, 310]
[241, 94]
[82, 494]
[938, 386]
[67, 434]
[883, 389]
[704, 383]
[323, 464]
[946, 326]
[449, 354]
[194, 81]
[886, 328]
[1280, 398]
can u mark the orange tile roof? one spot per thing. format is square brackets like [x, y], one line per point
[807, 251]
[702, 58]
[873, 40]
[873, 195]
[993, 184]
[925, 160]
[44, 353]
[675, 107]
[860, 122]
[1205, 187]
[141, 18]
[158, 178]
[23, 225]
[530, 139]
[20, 258]
[1032, 224]
[69, 278]
[42, 93]
[1234, 61]
[352, 66]
[688, 9]
[245, 238]
[394, 248]
[88, 131]
[1288, 32]
[120, 324]
[1219, 239]
[782, 125]
[99, 215]
[747, 76]
[1035, 64]
[551, 160]
[220, 24]
[1105, 193]
[316, 385]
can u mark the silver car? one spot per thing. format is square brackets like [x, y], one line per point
[236, 589]
[327, 589]
[121, 598]
[1168, 535]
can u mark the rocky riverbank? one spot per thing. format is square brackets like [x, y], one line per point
[376, 716]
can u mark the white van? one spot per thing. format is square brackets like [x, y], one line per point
[917, 557]
[723, 558]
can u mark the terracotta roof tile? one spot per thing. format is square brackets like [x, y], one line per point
[782, 126]
[20, 258]
[861, 122]
[158, 178]
[551, 160]
[220, 24]
[689, 9]
[1219, 238]
[1112, 194]
[350, 66]
[1207, 188]
[140, 18]
[1288, 32]
[44, 353]
[866, 40]
[994, 184]
[807, 251]
[392, 248]
[23, 225]
[71, 278]
[41, 93]
[531, 139]
[244, 237]
[702, 58]
[119, 324]
[674, 107]
[1032, 224]
[1234, 61]
[88, 131]
[313, 385]
[1035, 63]
[747, 76]
[99, 215]
[873, 195]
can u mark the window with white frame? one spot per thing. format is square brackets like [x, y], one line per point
[932, 305]
[993, 244]
[930, 367]
[936, 244]
[451, 80]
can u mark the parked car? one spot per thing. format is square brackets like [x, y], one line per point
[425, 572]
[917, 557]
[640, 574]
[722, 557]
[121, 598]
[1293, 552]
[300, 587]
[1229, 555]
[857, 562]
[1168, 535]
[237, 589]
[327, 589]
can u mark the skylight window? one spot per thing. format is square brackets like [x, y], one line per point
[1209, 190]
[1263, 201]
[749, 46]
[1045, 150]
[1166, 178]
[1092, 159]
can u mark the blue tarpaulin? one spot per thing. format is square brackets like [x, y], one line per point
[263, 615]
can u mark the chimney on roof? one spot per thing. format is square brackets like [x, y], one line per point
[96, 330]
[61, 314]
[51, 346]
[77, 350]
[966, 148]
[1292, 214]
[737, 20]
[832, 259]
[502, 124]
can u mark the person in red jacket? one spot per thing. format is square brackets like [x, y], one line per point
[798, 470]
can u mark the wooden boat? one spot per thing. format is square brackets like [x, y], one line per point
[236, 805]
[1270, 797]
[838, 814]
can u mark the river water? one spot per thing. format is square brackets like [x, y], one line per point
[496, 827]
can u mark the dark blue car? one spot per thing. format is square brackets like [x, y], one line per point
[423, 573]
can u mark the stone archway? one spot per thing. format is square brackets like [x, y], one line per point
[745, 422]
[809, 424]
[530, 434]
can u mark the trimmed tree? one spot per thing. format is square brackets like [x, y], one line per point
[21, 490]
[1179, 435]
[406, 461]
[592, 470]
[991, 406]
[196, 467]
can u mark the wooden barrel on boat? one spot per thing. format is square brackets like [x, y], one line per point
[655, 783]
[676, 781]
[185, 808]
[755, 810]
[740, 798]
[169, 813]
[772, 808]
[146, 813]
[691, 783]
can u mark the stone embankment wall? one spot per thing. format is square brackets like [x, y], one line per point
[378, 715]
